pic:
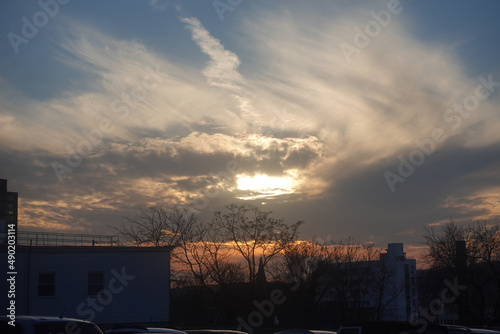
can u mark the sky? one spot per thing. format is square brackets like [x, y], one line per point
[365, 119]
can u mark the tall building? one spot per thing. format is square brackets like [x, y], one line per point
[400, 295]
[382, 289]
[8, 212]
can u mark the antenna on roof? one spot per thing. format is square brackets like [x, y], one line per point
[62, 313]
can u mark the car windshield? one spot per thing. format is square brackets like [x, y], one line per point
[66, 328]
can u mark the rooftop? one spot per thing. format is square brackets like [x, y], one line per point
[63, 239]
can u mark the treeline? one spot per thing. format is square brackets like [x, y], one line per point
[462, 282]
[245, 269]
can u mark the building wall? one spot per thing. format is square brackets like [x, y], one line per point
[391, 293]
[8, 211]
[136, 283]
[401, 295]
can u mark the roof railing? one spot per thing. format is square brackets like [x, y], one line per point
[29, 238]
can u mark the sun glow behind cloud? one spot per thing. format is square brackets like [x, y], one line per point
[263, 186]
[272, 99]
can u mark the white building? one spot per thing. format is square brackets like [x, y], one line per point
[103, 284]
[400, 296]
[383, 289]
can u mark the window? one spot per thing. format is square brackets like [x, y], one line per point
[95, 283]
[46, 284]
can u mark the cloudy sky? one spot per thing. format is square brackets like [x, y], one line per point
[368, 119]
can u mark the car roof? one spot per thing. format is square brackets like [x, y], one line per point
[304, 331]
[43, 318]
[458, 329]
[393, 327]
[126, 330]
[165, 330]
[141, 329]
[213, 331]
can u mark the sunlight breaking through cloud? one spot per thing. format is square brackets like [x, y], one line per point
[263, 106]
[264, 186]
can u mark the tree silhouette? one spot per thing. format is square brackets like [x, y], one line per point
[254, 234]
[478, 267]
[220, 255]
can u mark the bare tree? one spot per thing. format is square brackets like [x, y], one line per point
[441, 244]
[340, 273]
[253, 234]
[485, 242]
[481, 237]
[299, 261]
[351, 272]
[210, 251]
[208, 258]
[156, 226]
[213, 255]
[480, 272]
[304, 266]
[383, 286]
[200, 256]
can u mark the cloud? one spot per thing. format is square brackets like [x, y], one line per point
[222, 69]
[158, 4]
[283, 102]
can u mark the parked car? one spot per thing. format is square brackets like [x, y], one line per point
[457, 329]
[484, 331]
[304, 331]
[213, 331]
[391, 327]
[137, 329]
[46, 325]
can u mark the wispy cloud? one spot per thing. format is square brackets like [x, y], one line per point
[222, 68]
[222, 71]
[159, 4]
[297, 110]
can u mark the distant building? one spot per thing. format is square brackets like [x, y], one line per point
[104, 284]
[400, 296]
[8, 212]
[383, 289]
[81, 276]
